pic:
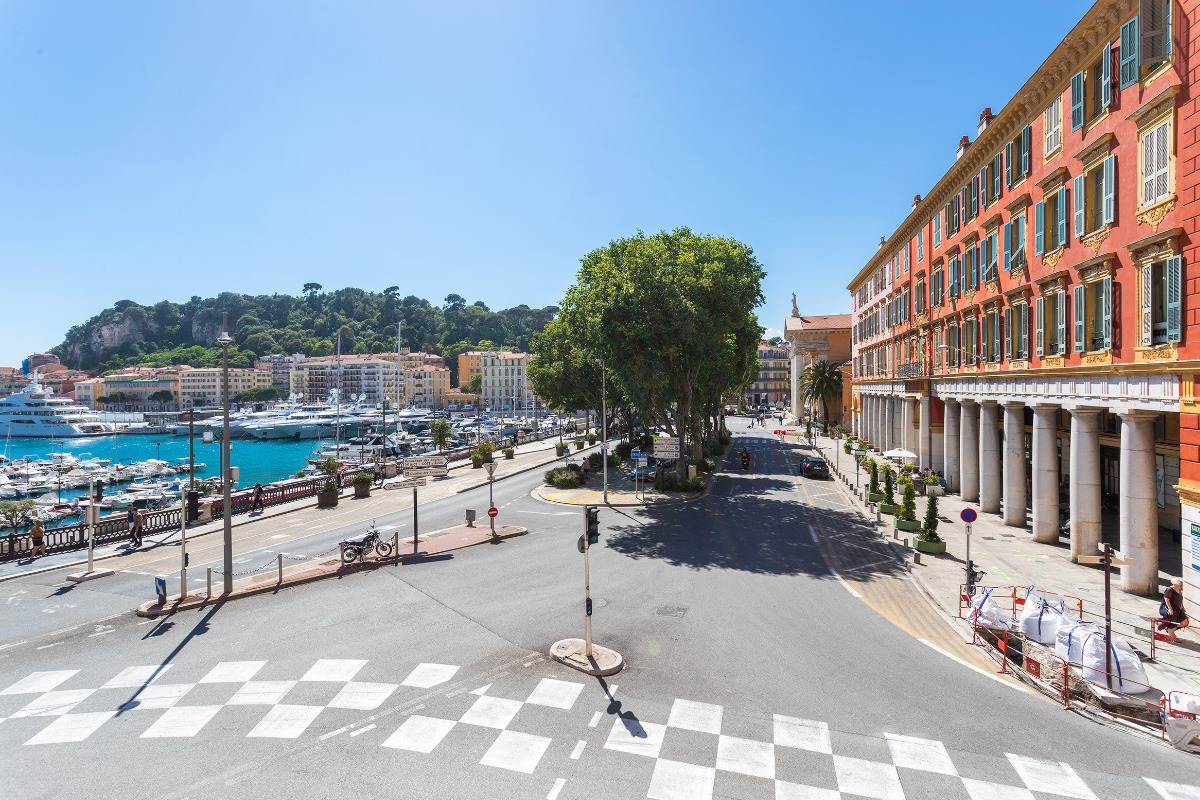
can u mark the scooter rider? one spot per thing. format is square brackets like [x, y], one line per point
[745, 458]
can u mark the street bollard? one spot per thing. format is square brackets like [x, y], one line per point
[470, 518]
[279, 560]
[209, 596]
[878, 516]
[916, 556]
[895, 532]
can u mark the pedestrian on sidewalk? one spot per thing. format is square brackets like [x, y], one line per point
[38, 534]
[1172, 612]
[256, 504]
[131, 525]
[139, 523]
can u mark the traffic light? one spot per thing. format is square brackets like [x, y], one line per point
[589, 606]
[593, 526]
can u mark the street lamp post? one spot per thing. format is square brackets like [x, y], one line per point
[491, 472]
[227, 563]
[604, 425]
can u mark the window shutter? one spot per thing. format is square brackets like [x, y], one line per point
[1147, 305]
[1079, 311]
[1008, 248]
[1148, 152]
[1109, 176]
[1162, 161]
[1106, 302]
[1024, 314]
[983, 183]
[1062, 217]
[1106, 77]
[1039, 228]
[974, 264]
[954, 277]
[1174, 270]
[1060, 341]
[1153, 40]
[995, 336]
[1026, 144]
[1129, 53]
[1038, 313]
[1077, 101]
[937, 230]
[954, 208]
[1079, 198]
[1008, 334]
[996, 177]
[1008, 164]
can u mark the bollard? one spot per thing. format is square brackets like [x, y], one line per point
[916, 556]
[878, 516]
[895, 532]
[470, 518]
[209, 597]
[279, 560]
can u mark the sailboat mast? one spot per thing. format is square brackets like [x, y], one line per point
[337, 412]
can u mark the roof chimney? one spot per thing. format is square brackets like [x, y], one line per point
[882, 241]
[916, 202]
[963, 144]
[984, 118]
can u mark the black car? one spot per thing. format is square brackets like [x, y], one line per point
[814, 467]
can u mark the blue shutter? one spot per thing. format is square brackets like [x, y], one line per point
[1174, 274]
[1008, 164]
[1077, 101]
[983, 184]
[1039, 316]
[1129, 53]
[1008, 247]
[1110, 189]
[1079, 310]
[1106, 76]
[1062, 217]
[1060, 343]
[975, 266]
[996, 177]
[954, 277]
[974, 196]
[1008, 333]
[1026, 139]
[1106, 322]
[1079, 198]
[1039, 229]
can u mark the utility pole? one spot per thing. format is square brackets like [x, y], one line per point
[227, 563]
[191, 449]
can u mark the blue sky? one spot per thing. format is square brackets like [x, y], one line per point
[162, 150]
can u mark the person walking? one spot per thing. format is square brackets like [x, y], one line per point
[1171, 610]
[131, 525]
[38, 534]
[256, 503]
[135, 529]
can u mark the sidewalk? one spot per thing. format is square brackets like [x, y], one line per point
[1010, 557]
[462, 478]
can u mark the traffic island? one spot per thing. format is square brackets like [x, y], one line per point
[603, 662]
[427, 546]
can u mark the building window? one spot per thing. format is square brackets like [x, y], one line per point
[970, 342]
[1016, 157]
[1052, 118]
[1156, 163]
[920, 296]
[1014, 242]
[921, 244]
[937, 287]
[1050, 222]
[953, 269]
[952, 345]
[1161, 301]
[1016, 331]
[937, 230]
[1051, 322]
[1095, 196]
[1093, 316]
[989, 257]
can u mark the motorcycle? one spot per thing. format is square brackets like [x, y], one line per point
[745, 461]
[356, 548]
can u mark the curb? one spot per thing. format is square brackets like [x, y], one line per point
[538, 493]
[303, 574]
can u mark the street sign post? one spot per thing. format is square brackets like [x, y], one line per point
[968, 515]
[493, 512]
[423, 472]
[407, 483]
[1110, 558]
[636, 454]
[666, 447]
[423, 461]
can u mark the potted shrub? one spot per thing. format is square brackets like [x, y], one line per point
[476, 461]
[927, 539]
[888, 506]
[873, 493]
[933, 486]
[906, 519]
[579, 443]
[485, 450]
[848, 445]
[508, 453]
[560, 449]
[591, 438]
[327, 497]
[362, 485]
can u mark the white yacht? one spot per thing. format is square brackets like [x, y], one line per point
[34, 412]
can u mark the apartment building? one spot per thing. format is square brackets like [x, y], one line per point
[280, 367]
[772, 385]
[470, 364]
[506, 386]
[205, 386]
[1027, 329]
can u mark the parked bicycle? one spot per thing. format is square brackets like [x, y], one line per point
[357, 548]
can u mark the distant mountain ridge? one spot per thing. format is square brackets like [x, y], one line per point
[167, 333]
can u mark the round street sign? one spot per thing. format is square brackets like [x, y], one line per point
[968, 515]
[493, 511]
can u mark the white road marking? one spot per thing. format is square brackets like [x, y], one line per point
[261, 693]
[52, 644]
[578, 751]
[40, 682]
[13, 644]
[285, 722]
[102, 633]
[922, 754]
[1051, 777]
[419, 734]
[426, 676]
[559, 783]
[982, 790]
[693, 716]
[968, 665]
[804, 734]
[278, 536]
[72, 728]
[133, 677]
[746, 756]
[362, 730]
[181, 722]
[795, 791]
[482, 690]
[555, 694]
[233, 671]
[634, 736]
[54, 704]
[363, 696]
[674, 780]
[519, 752]
[595, 720]
[492, 712]
[160, 695]
[1174, 791]
[331, 734]
[334, 669]
[867, 778]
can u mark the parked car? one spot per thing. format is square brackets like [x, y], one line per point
[644, 473]
[814, 467]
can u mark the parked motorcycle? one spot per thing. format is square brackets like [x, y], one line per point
[356, 548]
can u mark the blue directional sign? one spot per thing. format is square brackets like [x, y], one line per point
[636, 454]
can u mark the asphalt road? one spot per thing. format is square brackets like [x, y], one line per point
[751, 672]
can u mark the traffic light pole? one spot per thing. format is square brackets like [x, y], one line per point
[587, 595]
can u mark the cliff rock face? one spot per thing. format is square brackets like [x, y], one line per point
[205, 329]
[111, 335]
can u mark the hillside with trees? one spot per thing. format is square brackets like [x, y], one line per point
[166, 333]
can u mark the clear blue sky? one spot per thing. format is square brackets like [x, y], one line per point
[155, 150]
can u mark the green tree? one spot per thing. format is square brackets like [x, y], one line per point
[439, 432]
[475, 384]
[16, 512]
[162, 396]
[821, 382]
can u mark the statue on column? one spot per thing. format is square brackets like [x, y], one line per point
[795, 309]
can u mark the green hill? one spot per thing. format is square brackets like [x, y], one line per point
[165, 333]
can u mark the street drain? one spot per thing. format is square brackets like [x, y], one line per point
[671, 611]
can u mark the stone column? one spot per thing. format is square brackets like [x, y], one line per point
[1139, 503]
[1045, 474]
[925, 434]
[1085, 482]
[885, 424]
[907, 407]
[950, 446]
[1015, 499]
[989, 457]
[968, 452]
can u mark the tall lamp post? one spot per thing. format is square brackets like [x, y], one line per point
[491, 471]
[227, 564]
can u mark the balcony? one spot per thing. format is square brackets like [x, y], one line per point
[909, 371]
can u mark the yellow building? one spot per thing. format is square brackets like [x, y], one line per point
[203, 387]
[426, 387]
[470, 364]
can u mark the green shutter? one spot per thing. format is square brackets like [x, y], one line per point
[1106, 76]
[1038, 314]
[1060, 341]
[996, 177]
[1106, 301]
[1062, 217]
[1077, 101]
[1008, 247]
[1079, 198]
[1152, 45]
[1079, 312]
[1026, 143]
[1023, 312]
[1109, 190]
[954, 277]
[1129, 53]
[995, 336]
[1008, 164]
[1039, 228]
[1174, 270]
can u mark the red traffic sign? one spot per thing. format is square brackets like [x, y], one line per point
[968, 515]
[493, 511]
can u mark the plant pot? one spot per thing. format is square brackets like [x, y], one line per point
[579, 445]
[327, 499]
[559, 449]
[362, 491]
[509, 456]
[935, 490]
[487, 458]
[884, 508]
[910, 525]
[875, 497]
[933, 548]
[477, 464]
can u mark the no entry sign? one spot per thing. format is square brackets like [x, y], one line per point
[493, 511]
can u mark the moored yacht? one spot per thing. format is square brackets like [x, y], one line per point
[34, 412]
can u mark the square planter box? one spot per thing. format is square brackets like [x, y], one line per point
[327, 499]
[935, 491]
[362, 491]
[875, 497]
[884, 508]
[933, 548]
[908, 525]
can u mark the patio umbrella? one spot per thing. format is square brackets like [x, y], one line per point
[898, 453]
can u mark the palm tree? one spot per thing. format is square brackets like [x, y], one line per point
[821, 381]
